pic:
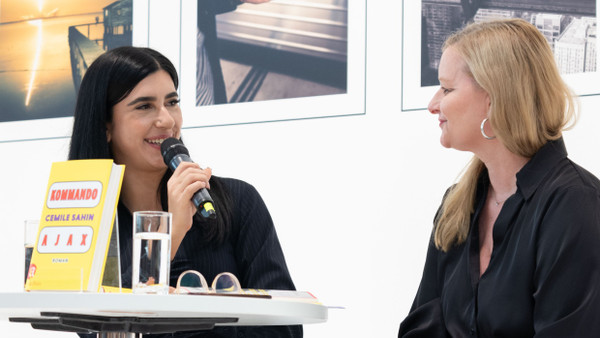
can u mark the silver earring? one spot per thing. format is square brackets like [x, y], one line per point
[483, 132]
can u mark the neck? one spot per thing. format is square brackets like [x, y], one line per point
[140, 190]
[503, 166]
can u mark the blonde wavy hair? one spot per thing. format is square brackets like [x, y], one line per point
[530, 105]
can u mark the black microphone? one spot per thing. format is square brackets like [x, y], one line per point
[173, 153]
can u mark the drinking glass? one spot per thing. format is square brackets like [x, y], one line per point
[151, 252]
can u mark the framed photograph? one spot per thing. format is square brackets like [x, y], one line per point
[570, 26]
[45, 48]
[281, 60]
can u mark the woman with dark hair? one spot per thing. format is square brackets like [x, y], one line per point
[126, 106]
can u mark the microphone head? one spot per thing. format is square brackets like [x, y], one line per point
[172, 147]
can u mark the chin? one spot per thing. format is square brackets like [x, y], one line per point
[445, 143]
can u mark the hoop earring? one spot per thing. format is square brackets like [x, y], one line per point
[483, 132]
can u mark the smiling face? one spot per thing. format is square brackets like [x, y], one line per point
[142, 120]
[460, 103]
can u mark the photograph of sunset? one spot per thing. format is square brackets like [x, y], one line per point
[45, 48]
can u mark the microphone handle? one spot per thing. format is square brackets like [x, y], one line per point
[201, 198]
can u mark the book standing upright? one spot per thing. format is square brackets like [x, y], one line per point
[76, 226]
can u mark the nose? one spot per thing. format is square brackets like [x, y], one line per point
[164, 119]
[434, 104]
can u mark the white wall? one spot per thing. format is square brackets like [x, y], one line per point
[374, 182]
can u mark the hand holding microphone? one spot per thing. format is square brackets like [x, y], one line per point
[174, 152]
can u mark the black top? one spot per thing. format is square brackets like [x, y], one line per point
[543, 277]
[252, 253]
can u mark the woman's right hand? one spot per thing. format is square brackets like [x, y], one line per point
[186, 180]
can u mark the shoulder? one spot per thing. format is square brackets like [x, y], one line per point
[243, 195]
[586, 178]
[568, 200]
[237, 188]
[569, 177]
[250, 215]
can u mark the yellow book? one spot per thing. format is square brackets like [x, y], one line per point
[76, 226]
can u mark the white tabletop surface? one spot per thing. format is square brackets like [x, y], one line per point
[249, 311]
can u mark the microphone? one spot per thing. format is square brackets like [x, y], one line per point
[174, 152]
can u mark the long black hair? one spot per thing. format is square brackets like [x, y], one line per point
[107, 81]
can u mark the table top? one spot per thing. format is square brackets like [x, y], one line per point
[247, 310]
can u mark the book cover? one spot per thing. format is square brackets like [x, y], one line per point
[75, 228]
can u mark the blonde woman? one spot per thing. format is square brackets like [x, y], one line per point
[515, 250]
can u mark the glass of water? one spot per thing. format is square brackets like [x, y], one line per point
[151, 252]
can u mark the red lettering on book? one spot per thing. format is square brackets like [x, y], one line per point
[70, 240]
[83, 238]
[45, 240]
[71, 193]
[31, 272]
[57, 239]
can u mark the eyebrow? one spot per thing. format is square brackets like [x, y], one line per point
[151, 98]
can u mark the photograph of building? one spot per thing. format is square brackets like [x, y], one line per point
[569, 26]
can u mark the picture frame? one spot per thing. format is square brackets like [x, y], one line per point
[60, 127]
[183, 52]
[415, 97]
[170, 27]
